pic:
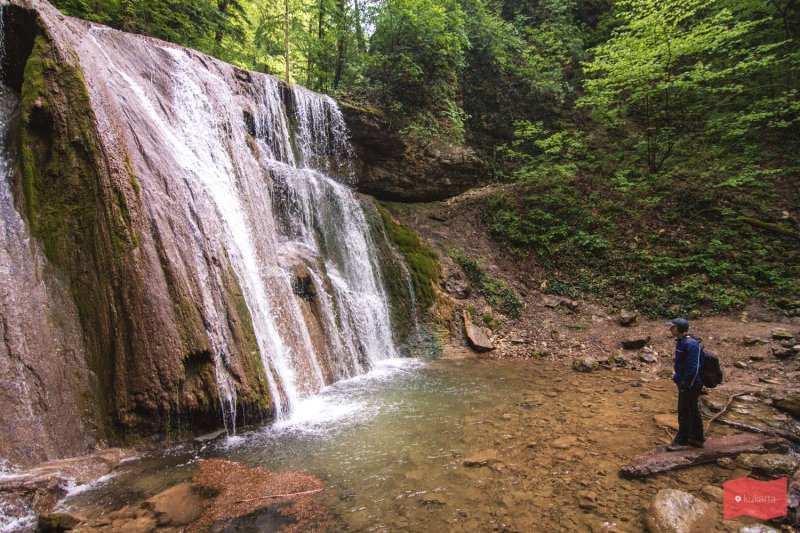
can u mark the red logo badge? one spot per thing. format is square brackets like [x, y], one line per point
[750, 497]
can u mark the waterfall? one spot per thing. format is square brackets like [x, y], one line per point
[256, 180]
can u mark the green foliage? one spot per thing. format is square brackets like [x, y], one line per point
[589, 246]
[422, 262]
[497, 292]
[522, 64]
[416, 53]
[200, 24]
[537, 155]
[674, 70]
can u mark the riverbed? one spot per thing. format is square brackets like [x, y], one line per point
[455, 445]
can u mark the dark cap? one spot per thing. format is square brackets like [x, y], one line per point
[681, 323]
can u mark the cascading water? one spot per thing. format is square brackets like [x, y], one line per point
[256, 187]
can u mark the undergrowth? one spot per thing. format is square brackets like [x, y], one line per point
[497, 292]
[664, 251]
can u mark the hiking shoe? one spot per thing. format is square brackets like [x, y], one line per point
[676, 446]
[695, 443]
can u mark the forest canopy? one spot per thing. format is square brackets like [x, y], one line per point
[627, 125]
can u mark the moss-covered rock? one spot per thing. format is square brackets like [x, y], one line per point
[789, 405]
[422, 262]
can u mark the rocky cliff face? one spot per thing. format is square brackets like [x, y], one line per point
[389, 169]
[145, 337]
[200, 261]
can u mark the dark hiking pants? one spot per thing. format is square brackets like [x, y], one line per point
[690, 423]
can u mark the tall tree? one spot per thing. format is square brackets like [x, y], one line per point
[286, 49]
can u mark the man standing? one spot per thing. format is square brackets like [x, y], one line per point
[687, 377]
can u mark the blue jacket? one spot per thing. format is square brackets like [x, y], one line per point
[687, 362]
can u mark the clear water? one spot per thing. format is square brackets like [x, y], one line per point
[367, 437]
[391, 449]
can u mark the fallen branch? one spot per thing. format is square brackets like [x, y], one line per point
[280, 495]
[763, 431]
[727, 404]
[778, 228]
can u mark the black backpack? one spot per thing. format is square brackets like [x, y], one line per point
[710, 370]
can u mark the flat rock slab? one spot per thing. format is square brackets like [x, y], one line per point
[660, 460]
[476, 336]
[208, 437]
[177, 506]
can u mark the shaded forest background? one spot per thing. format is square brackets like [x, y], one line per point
[650, 146]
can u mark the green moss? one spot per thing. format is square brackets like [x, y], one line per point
[491, 322]
[258, 392]
[132, 179]
[497, 292]
[422, 262]
[64, 206]
[58, 172]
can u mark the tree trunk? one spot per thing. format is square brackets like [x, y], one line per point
[660, 460]
[341, 28]
[361, 44]
[222, 5]
[286, 37]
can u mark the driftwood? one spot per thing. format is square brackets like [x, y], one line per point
[727, 404]
[660, 460]
[280, 495]
[778, 228]
[763, 431]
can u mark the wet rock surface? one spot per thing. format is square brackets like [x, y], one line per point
[661, 459]
[177, 506]
[770, 466]
[37, 490]
[675, 511]
[224, 496]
